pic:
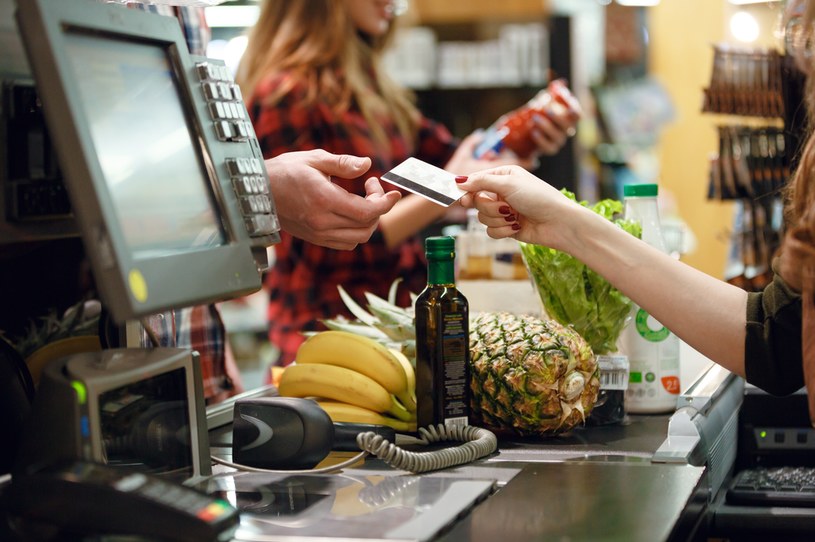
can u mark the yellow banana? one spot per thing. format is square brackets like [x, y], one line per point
[410, 372]
[346, 412]
[361, 354]
[340, 384]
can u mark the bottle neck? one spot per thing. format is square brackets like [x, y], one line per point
[644, 209]
[440, 272]
[640, 204]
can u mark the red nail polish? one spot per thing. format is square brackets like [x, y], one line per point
[461, 178]
[510, 218]
[505, 210]
[516, 226]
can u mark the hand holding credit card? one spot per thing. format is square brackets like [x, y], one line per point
[425, 180]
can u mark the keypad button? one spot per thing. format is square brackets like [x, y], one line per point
[223, 74]
[224, 130]
[245, 166]
[246, 205]
[202, 70]
[210, 91]
[240, 130]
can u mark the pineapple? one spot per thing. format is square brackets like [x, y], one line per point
[529, 375]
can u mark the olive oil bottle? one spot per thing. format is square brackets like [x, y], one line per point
[442, 341]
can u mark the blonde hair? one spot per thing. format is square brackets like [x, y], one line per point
[317, 45]
[801, 189]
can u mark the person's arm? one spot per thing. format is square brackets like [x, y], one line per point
[705, 312]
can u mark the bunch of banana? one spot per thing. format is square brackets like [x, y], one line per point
[383, 321]
[344, 370]
[346, 412]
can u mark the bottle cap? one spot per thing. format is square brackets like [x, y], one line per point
[437, 248]
[640, 190]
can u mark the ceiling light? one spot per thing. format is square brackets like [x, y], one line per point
[744, 27]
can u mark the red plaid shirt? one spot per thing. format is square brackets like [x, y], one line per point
[303, 282]
[199, 328]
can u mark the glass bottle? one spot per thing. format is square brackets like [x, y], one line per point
[477, 260]
[652, 349]
[442, 341]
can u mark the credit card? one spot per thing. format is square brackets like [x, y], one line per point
[426, 180]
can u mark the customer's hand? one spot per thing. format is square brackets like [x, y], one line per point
[313, 208]
[512, 202]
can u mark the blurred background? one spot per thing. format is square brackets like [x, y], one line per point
[694, 95]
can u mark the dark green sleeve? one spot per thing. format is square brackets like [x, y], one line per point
[772, 348]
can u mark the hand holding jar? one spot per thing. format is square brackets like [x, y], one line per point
[540, 126]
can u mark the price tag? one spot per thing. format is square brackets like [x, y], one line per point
[613, 372]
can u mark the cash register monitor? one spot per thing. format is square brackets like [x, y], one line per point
[115, 83]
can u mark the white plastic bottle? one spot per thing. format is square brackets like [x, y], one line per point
[652, 349]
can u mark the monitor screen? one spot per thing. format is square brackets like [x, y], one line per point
[153, 182]
[144, 424]
[157, 185]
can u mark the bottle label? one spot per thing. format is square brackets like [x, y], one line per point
[653, 356]
[493, 141]
[649, 328]
[455, 351]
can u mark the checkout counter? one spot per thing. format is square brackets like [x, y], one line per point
[594, 483]
[650, 478]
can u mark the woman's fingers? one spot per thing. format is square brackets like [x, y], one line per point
[502, 232]
[495, 213]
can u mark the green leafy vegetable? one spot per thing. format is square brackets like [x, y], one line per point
[573, 294]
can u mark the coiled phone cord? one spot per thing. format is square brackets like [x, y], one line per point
[477, 443]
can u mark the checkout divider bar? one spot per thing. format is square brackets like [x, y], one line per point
[704, 429]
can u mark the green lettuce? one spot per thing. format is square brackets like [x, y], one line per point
[576, 296]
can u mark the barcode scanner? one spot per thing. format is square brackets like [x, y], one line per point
[290, 433]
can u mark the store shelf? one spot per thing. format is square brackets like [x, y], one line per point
[467, 11]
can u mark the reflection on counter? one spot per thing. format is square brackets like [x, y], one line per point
[354, 506]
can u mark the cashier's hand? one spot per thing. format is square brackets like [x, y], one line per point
[316, 210]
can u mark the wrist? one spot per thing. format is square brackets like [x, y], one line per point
[572, 228]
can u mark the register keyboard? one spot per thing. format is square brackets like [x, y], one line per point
[776, 486]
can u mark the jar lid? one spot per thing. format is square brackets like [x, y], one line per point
[640, 190]
[440, 247]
